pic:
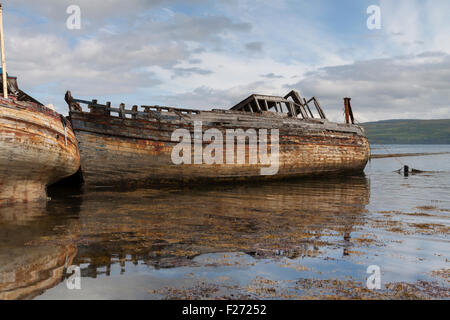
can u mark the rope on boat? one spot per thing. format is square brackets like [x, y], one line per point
[404, 167]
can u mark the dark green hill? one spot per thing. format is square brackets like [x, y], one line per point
[408, 131]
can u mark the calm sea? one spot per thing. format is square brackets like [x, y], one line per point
[309, 238]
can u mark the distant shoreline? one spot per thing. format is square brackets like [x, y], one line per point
[397, 155]
[408, 144]
[409, 132]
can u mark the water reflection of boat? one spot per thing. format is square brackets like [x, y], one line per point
[104, 230]
[28, 265]
[33, 271]
[168, 228]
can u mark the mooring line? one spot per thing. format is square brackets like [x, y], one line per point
[392, 153]
[359, 123]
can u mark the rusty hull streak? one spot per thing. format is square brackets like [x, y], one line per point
[33, 151]
[136, 150]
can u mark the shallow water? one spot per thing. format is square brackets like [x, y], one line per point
[309, 238]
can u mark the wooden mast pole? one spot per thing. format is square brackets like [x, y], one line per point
[2, 44]
[347, 114]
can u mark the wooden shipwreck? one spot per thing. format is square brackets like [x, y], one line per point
[132, 146]
[37, 144]
[37, 148]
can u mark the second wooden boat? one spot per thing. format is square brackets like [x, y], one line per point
[131, 146]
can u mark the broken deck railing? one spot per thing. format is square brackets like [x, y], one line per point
[292, 104]
[294, 107]
[106, 109]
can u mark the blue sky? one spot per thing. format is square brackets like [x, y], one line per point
[212, 54]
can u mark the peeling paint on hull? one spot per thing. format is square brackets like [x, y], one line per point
[35, 151]
[119, 150]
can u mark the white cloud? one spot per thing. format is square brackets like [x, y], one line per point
[412, 25]
[215, 54]
[107, 63]
[412, 86]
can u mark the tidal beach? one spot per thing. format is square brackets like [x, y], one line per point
[296, 239]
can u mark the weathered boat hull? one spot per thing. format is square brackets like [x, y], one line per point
[119, 150]
[37, 148]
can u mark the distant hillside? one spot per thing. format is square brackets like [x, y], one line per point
[408, 131]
